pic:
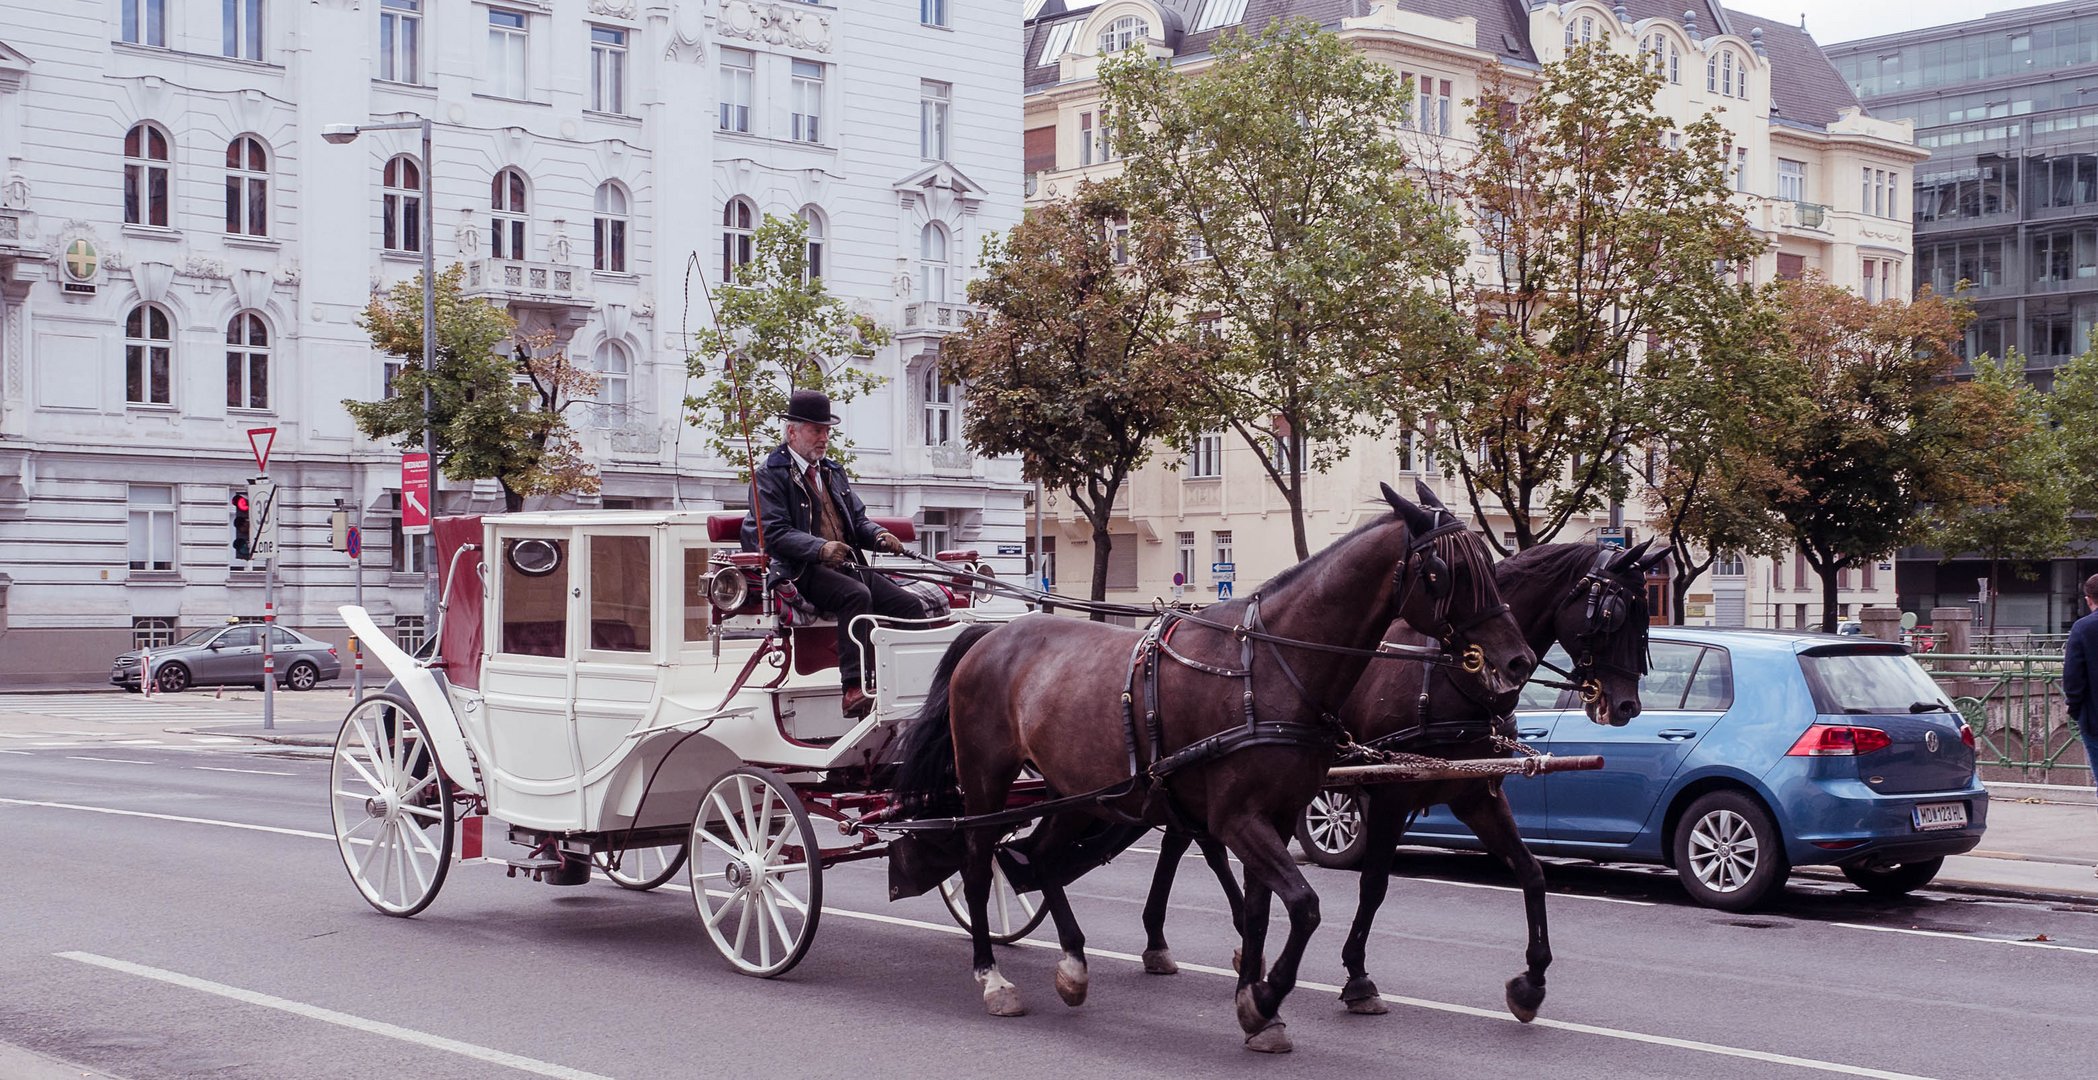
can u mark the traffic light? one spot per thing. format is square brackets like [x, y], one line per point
[243, 548]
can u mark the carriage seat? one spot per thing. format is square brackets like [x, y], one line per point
[728, 529]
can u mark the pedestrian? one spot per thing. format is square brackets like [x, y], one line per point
[2080, 675]
[815, 529]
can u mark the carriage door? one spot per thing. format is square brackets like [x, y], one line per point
[531, 762]
[616, 670]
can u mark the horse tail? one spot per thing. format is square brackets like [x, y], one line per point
[925, 775]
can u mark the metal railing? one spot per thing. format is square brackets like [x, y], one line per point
[2014, 704]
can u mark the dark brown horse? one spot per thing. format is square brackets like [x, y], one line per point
[1223, 719]
[1591, 600]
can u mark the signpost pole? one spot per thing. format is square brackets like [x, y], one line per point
[264, 531]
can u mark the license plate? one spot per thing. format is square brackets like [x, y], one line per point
[1941, 815]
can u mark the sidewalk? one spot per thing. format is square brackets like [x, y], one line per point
[2042, 840]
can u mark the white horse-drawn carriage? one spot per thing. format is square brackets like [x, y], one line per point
[620, 690]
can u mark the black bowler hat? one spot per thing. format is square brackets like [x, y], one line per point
[810, 407]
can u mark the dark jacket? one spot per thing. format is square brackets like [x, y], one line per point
[790, 516]
[2080, 672]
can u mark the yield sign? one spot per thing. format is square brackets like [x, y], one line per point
[260, 439]
[415, 493]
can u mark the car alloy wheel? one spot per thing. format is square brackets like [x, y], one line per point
[302, 676]
[1728, 852]
[1332, 829]
[171, 679]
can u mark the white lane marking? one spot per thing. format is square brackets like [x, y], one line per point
[1969, 937]
[340, 1019]
[171, 817]
[1718, 1049]
[111, 760]
[23, 753]
[1516, 889]
[251, 772]
[1419, 1003]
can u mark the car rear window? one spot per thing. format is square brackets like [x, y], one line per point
[1868, 681]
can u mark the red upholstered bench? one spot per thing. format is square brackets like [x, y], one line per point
[728, 528]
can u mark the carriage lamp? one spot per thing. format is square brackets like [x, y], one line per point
[727, 589]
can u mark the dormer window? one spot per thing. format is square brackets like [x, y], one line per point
[1662, 57]
[1124, 32]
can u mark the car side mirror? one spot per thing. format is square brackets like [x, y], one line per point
[214, 646]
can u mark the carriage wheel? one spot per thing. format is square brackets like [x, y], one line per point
[1013, 915]
[642, 868]
[756, 872]
[392, 806]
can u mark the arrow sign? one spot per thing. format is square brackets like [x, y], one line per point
[415, 493]
[260, 440]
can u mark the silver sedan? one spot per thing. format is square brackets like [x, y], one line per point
[231, 656]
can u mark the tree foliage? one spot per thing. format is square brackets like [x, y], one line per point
[1080, 360]
[1280, 163]
[1878, 440]
[498, 399]
[1609, 238]
[776, 329]
[2027, 519]
[2073, 409]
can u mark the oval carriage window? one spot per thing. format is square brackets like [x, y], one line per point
[534, 557]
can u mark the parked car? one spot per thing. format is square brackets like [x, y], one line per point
[1757, 751]
[231, 656]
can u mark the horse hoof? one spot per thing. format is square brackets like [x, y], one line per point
[1249, 1018]
[1272, 1039]
[1071, 981]
[1360, 996]
[1524, 997]
[1160, 962]
[1369, 1006]
[1003, 1001]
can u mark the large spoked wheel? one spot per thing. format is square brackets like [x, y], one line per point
[392, 806]
[641, 868]
[1332, 829]
[756, 873]
[1013, 915]
[1728, 852]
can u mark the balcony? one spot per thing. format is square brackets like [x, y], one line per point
[1791, 214]
[934, 319]
[530, 284]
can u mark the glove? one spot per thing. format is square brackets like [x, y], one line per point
[887, 541]
[836, 553]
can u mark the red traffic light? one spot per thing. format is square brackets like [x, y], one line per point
[240, 503]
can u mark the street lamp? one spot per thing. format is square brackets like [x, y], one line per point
[343, 135]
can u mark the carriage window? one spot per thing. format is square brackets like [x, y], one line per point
[699, 614]
[619, 590]
[535, 607]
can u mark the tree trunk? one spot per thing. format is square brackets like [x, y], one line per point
[1680, 578]
[1103, 545]
[1296, 499]
[1993, 594]
[1828, 595]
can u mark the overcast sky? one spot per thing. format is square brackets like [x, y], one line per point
[1831, 21]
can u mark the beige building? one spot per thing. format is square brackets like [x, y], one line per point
[1819, 180]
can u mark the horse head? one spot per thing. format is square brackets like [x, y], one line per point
[1445, 589]
[1603, 622]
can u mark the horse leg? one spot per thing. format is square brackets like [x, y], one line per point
[1270, 872]
[1382, 815]
[1158, 959]
[1050, 838]
[1486, 811]
[1219, 859]
[1000, 996]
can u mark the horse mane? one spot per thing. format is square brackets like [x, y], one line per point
[1290, 574]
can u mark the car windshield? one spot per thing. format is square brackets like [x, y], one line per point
[199, 637]
[1870, 682]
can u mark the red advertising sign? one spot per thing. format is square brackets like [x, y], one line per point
[415, 493]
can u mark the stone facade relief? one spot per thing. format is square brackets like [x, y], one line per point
[776, 24]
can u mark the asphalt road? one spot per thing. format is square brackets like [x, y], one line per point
[182, 912]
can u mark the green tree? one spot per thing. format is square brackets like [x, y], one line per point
[777, 329]
[2073, 409]
[1878, 440]
[497, 400]
[2028, 519]
[1701, 479]
[1309, 240]
[1079, 361]
[1609, 239]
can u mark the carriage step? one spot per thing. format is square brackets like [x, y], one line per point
[571, 871]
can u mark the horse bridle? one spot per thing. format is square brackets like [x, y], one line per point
[1606, 605]
[1434, 574]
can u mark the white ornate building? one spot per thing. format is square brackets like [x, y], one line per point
[182, 259]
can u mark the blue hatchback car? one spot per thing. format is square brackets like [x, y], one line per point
[1756, 751]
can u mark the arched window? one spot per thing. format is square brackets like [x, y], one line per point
[247, 362]
[149, 356]
[933, 253]
[146, 176]
[506, 200]
[1124, 32]
[737, 223]
[610, 231]
[812, 222]
[402, 205]
[1661, 57]
[247, 187]
[615, 369]
[1580, 30]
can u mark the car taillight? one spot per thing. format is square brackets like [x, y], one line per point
[331, 650]
[1838, 740]
[1967, 735]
